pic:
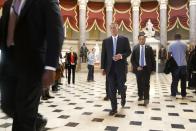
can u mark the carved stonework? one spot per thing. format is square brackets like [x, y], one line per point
[163, 4]
[82, 4]
[135, 4]
[109, 5]
[192, 2]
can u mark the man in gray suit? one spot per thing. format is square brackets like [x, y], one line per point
[143, 63]
[115, 51]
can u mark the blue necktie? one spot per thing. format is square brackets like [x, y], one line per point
[142, 57]
[114, 46]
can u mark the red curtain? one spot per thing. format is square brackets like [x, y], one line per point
[178, 16]
[123, 16]
[70, 11]
[150, 10]
[96, 16]
[1, 3]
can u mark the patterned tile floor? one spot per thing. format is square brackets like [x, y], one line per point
[80, 107]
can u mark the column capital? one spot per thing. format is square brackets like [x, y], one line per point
[109, 5]
[192, 2]
[82, 4]
[163, 4]
[135, 4]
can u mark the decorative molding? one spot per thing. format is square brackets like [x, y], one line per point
[163, 4]
[82, 4]
[135, 4]
[109, 5]
[192, 3]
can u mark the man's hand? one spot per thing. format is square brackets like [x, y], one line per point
[48, 78]
[103, 72]
[139, 68]
[117, 57]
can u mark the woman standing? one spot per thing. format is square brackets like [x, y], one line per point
[71, 65]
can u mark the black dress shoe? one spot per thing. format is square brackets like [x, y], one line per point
[50, 97]
[146, 102]
[60, 83]
[140, 99]
[112, 112]
[41, 122]
[106, 98]
[123, 101]
[44, 98]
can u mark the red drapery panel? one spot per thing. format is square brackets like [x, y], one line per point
[150, 10]
[1, 3]
[123, 16]
[178, 16]
[70, 11]
[96, 16]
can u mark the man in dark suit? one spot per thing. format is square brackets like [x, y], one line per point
[115, 51]
[32, 35]
[71, 64]
[143, 63]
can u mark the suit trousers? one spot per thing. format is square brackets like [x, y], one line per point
[143, 83]
[20, 96]
[179, 74]
[116, 81]
[90, 72]
[107, 87]
[72, 69]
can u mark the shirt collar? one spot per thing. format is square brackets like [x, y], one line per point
[115, 37]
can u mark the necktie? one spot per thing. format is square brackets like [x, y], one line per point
[14, 12]
[142, 56]
[114, 46]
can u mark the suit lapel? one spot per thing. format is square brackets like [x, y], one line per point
[138, 53]
[111, 45]
[146, 52]
[117, 44]
[26, 7]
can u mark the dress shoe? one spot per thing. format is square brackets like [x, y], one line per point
[50, 97]
[112, 112]
[140, 99]
[60, 83]
[41, 122]
[106, 98]
[146, 102]
[123, 101]
[44, 98]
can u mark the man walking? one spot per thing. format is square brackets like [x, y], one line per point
[115, 51]
[32, 34]
[143, 63]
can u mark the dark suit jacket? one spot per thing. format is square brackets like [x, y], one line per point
[123, 47]
[149, 56]
[69, 58]
[38, 36]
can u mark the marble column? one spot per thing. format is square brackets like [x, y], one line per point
[135, 7]
[82, 28]
[109, 15]
[82, 20]
[192, 6]
[163, 22]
